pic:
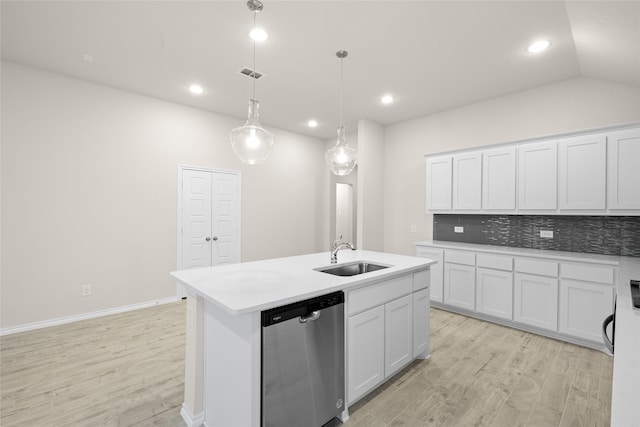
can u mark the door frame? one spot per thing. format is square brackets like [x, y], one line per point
[181, 169]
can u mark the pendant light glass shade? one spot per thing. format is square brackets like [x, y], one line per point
[341, 159]
[252, 143]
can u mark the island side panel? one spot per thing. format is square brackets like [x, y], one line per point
[192, 411]
[232, 368]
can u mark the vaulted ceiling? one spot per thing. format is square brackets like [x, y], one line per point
[431, 55]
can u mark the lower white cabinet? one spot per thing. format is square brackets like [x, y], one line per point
[494, 292]
[365, 352]
[398, 334]
[389, 328]
[436, 271]
[535, 300]
[567, 298]
[460, 285]
[421, 303]
[582, 308]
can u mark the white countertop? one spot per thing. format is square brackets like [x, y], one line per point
[259, 285]
[626, 361]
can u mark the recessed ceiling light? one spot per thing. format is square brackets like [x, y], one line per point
[538, 46]
[312, 123]
[196, 89]
[258, 34]
[387, 99]
[87, 58]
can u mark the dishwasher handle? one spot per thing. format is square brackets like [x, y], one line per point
[313, 316]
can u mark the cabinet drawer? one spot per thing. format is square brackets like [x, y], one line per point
[371, 296]
[539, 267]
[587, 273]
[459, 257]
[497, 262]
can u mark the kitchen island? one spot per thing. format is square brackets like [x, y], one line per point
[223, 355]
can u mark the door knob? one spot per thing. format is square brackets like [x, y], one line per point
[215, 238]
[207, 239]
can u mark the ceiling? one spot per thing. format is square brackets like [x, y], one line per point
[431, 55]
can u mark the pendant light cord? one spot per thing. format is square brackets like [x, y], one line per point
[341, 86]
[254, 57]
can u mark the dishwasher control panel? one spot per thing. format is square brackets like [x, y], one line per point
[301, 308]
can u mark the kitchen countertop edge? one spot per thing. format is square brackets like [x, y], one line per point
[296, 269]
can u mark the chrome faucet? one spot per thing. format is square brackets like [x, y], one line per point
[337, 246]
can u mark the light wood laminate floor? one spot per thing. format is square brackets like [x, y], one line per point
[127, 370]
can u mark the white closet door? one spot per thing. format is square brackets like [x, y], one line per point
[225, 219]
[196, 219]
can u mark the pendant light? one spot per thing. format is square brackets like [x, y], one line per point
[252, 143]
[341, 159]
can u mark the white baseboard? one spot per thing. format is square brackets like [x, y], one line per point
[189, 419]
[75, 318]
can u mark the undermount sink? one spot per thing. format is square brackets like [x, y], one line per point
[352, 268]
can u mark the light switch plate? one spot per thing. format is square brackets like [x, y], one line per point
[458, 229]
[547, 234]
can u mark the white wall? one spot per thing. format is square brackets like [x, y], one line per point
[370, 195]
[571, 105]
[89, 193]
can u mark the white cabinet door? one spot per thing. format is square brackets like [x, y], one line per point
[535, 300]
[623, 169]
[421, 323]
[494, 290]
[398, 336]
[467, 181]
[583, 306]
[499, 179]
[459, 285]
[582, 163]
[365, 352]
[439, 183]
[436, 270]
[537, 176]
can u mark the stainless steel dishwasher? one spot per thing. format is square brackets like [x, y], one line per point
[303, 362]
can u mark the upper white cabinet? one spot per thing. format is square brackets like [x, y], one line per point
[467, 181]
[439, 183]
[499, 179]
[582, 165]
[537, 175]
[623, 169]
[589, 174]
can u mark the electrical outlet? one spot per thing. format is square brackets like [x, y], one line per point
[413, 228]
[458, 229]
[546, 234]
[86, 290]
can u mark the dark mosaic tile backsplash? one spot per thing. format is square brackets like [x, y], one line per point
[606, 235]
